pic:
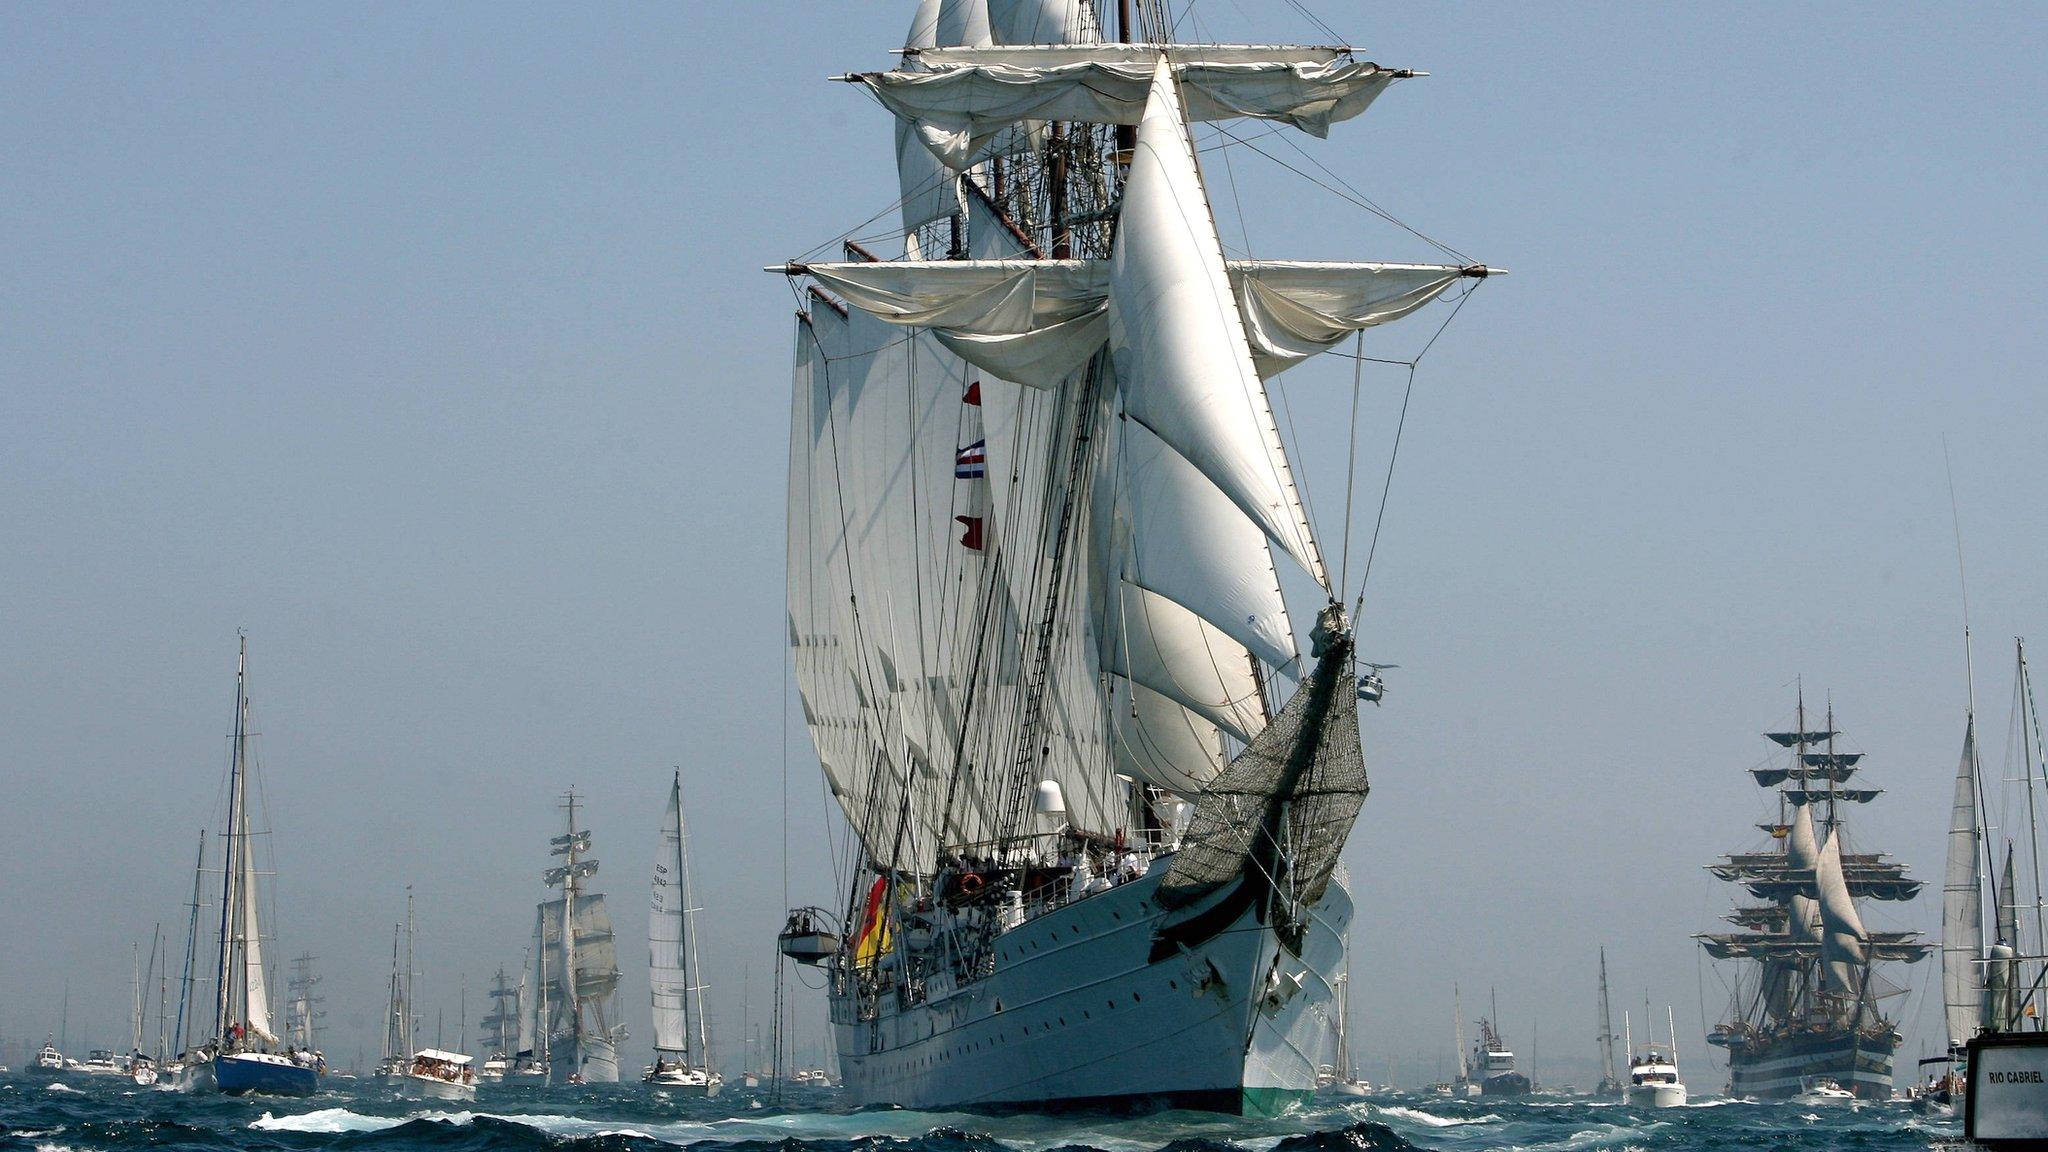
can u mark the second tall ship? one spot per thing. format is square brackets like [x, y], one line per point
[1808, 999]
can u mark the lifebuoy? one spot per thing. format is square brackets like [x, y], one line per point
[970, 883]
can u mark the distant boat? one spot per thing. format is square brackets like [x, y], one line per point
[1337, 1077]
[398, 1013]
[102, 1062]
[244, 1054]
[1490, 1070]
[1812, 986]
[1609, 1085]
[1825, 1092]
[434, 1074]
[529, 1058]
[500, 1029]
[682, 1057]
[1653, 1070]
[574, 930]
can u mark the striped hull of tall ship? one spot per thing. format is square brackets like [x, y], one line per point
[1786, 1064]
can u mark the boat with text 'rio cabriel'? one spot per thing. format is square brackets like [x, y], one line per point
[1040, 508]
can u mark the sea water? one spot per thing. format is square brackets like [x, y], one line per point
[95, 1114]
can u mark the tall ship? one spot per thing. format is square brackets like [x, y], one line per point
[1810, 989]
[302, 1010]
[1041, 511]
[246, 1053]
[682, 1033]
[579, 968]
[500, 1028]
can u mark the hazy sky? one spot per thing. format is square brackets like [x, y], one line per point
[428, 344]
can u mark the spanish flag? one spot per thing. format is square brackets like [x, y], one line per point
[873, 940]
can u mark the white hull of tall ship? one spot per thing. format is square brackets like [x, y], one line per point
[1076, 1014]
[592, 1061]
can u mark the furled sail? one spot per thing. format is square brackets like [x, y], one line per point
[1178, 342]
[1035, 321]
[928, 187]
[1962, 903]
[960, 99]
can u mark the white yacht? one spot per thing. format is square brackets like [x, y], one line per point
[1653, 1070]
[48, 1061]
[1824, 1091]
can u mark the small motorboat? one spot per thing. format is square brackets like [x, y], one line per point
[438, 1075]
[1823, 1091]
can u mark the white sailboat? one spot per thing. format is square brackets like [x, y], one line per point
[245, 1055]
[1337, 1078]
[682, 1049]
[398, 1011]
[579, 970]
[1037, 498]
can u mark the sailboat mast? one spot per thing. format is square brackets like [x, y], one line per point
[1606, 1027]
[2027, 774]
[231, 857]
[185, 984]
[692, 982]
[410, 1013]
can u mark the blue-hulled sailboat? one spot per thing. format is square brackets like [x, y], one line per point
[245, 1056]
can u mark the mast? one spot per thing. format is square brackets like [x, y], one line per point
[411, 1005]
[163, 995]
[1606, 1037]
[395, 1008]
[232, 857]
[186, 979]
[2027, 775]
[1458, 1032]
[135, 999]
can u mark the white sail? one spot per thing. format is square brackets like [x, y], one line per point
[525, 1011]
[961, 98]
[1177, 339]
[597, 964]
[255, 982]
[1962, 903]
[1043, 22]
[1843, 939]
[668, 912]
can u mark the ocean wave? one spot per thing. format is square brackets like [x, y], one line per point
[54, 1086]
[1431, 1119]
[325, 1121]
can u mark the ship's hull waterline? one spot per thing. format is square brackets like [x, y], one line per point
[1078, 1014]
[590, 1061]
[249, 1074]
[1785, 1067]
